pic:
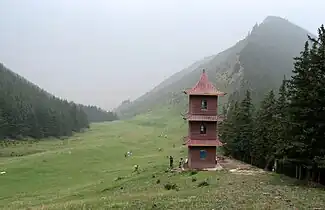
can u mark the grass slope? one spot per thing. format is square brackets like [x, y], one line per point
[80, 173]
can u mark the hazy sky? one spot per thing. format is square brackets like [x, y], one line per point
[102, 52]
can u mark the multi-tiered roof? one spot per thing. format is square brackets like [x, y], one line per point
[204, 87]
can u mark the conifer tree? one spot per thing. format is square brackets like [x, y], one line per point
[265, 142]
[228, 130]
[307, 103]
[3, 125]
[27, 110]
[244, 124]
[282, 121]
[96, 114]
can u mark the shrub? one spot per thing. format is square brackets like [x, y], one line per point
[203, 184]
[118, 178]
[193, 173]
[170, 186]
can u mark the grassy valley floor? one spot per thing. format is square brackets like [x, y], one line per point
[89, 171]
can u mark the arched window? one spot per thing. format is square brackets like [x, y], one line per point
[203, 129]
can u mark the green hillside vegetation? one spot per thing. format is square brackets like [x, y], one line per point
[289, 128]
[89, 171]
[28, 111]
[96, 114]
[266, 54]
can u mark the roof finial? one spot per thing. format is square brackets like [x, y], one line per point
[203, 70]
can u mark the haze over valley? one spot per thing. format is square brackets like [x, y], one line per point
[104, 52]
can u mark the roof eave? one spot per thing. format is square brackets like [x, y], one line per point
[204, 145]
[216, 143]
[207, 93]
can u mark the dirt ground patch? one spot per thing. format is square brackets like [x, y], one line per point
[238, 167]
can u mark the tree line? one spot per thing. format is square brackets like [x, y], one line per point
[96, 114]
[28, 111]
[288, 126]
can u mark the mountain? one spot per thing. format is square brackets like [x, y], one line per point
[27, 110]
[258, 62]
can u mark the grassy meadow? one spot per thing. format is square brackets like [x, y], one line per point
[89, 171]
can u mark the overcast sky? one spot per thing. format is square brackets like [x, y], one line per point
[102, 52]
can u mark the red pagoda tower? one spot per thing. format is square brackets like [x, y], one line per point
[202, 117]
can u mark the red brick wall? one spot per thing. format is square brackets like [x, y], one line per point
[194, 130]
[194, 160]
[195, 105]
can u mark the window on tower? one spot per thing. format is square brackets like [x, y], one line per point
[204, 104]
[203, 129]
[203, 154]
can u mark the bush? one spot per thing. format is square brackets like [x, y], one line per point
[193, 173]
[203, 184]
[118, 178]
[170, 186]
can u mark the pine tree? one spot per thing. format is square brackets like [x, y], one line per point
[244, 124]
[96, 114]
[307, 103]
[3, 125]
[27, 110]
[237, 130]
[265, 143]
[224, 110]
[226, 131]
[282, 121]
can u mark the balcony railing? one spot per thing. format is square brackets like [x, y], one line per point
[198, 117]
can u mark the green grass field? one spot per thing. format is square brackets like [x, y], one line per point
[89, 171]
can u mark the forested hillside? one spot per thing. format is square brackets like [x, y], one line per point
[27, 110]
[258, 63]
[96, 114]
[268, 55]
[288, 129]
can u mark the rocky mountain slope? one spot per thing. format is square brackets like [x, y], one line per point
[257, 62]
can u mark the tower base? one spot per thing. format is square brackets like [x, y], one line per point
[201, 157]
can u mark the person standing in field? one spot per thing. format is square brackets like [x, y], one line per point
[136, 168]
[171, 161]
[180, 163]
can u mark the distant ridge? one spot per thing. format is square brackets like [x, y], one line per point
[258, 62]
